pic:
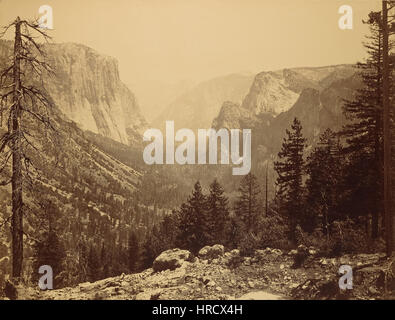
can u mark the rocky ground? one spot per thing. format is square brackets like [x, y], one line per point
[215, 274]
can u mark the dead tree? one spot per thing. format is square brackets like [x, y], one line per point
[25, 106]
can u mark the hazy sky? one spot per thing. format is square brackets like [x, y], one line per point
[172, 40]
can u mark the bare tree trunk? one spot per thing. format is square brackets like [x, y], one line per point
[377, 205]
[17, 204]
[387, 135]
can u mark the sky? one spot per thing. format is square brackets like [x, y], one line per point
[169, 41]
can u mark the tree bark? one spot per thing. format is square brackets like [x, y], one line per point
[17, 204]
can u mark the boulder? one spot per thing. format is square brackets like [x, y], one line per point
[171, 259]
[233, 259]
[211, 252]
[267, 255]
[272, 251]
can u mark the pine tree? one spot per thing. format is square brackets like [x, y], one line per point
[234, 232]
[290, 173]
[193, 230]
[83, 260]
[152, 247]
[104, 258]
[324, 169]
[248, 207]
[133, 252]
[217, 214]
[50, 251]
[388, 27]
[94, 265]
[364, 132]
[169, 230]
[25, 105]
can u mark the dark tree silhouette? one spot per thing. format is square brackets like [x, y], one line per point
[24, 104]
[217, 214]
[364, 133]
[248, 207]
[290, 170]
[193, 230]
[324, 182]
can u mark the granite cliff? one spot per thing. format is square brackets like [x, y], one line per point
[87, 89]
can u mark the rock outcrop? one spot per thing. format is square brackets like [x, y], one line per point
[269, 93]
[171, 259]
[86, 87]
[211, 252]
[313, 95]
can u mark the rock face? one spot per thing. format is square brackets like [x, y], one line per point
[313, 95]
[171, 259]
[87, 89]
[269, 93]
[288, 93]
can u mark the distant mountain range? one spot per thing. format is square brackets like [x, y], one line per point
[314, 95]
[197, 107]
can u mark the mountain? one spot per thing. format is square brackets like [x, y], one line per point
[200, 105]
[314, 95]
[87, 89]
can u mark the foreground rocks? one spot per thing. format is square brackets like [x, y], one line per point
[171, 259]
[212, 252]
[270, 274]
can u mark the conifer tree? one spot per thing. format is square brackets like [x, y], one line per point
[133, 252]
[217, 214]
[26, 106]
[50, 251]
[104, 257]
[169, 230]
[290, 170]
[193, 229]
[93, 264]
[324, 169]
[364, 132]
[248, 207]
[151, 248]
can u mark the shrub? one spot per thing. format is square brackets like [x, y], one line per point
[248, 244]
[345, 237]
[348, 237]
[274, 233]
